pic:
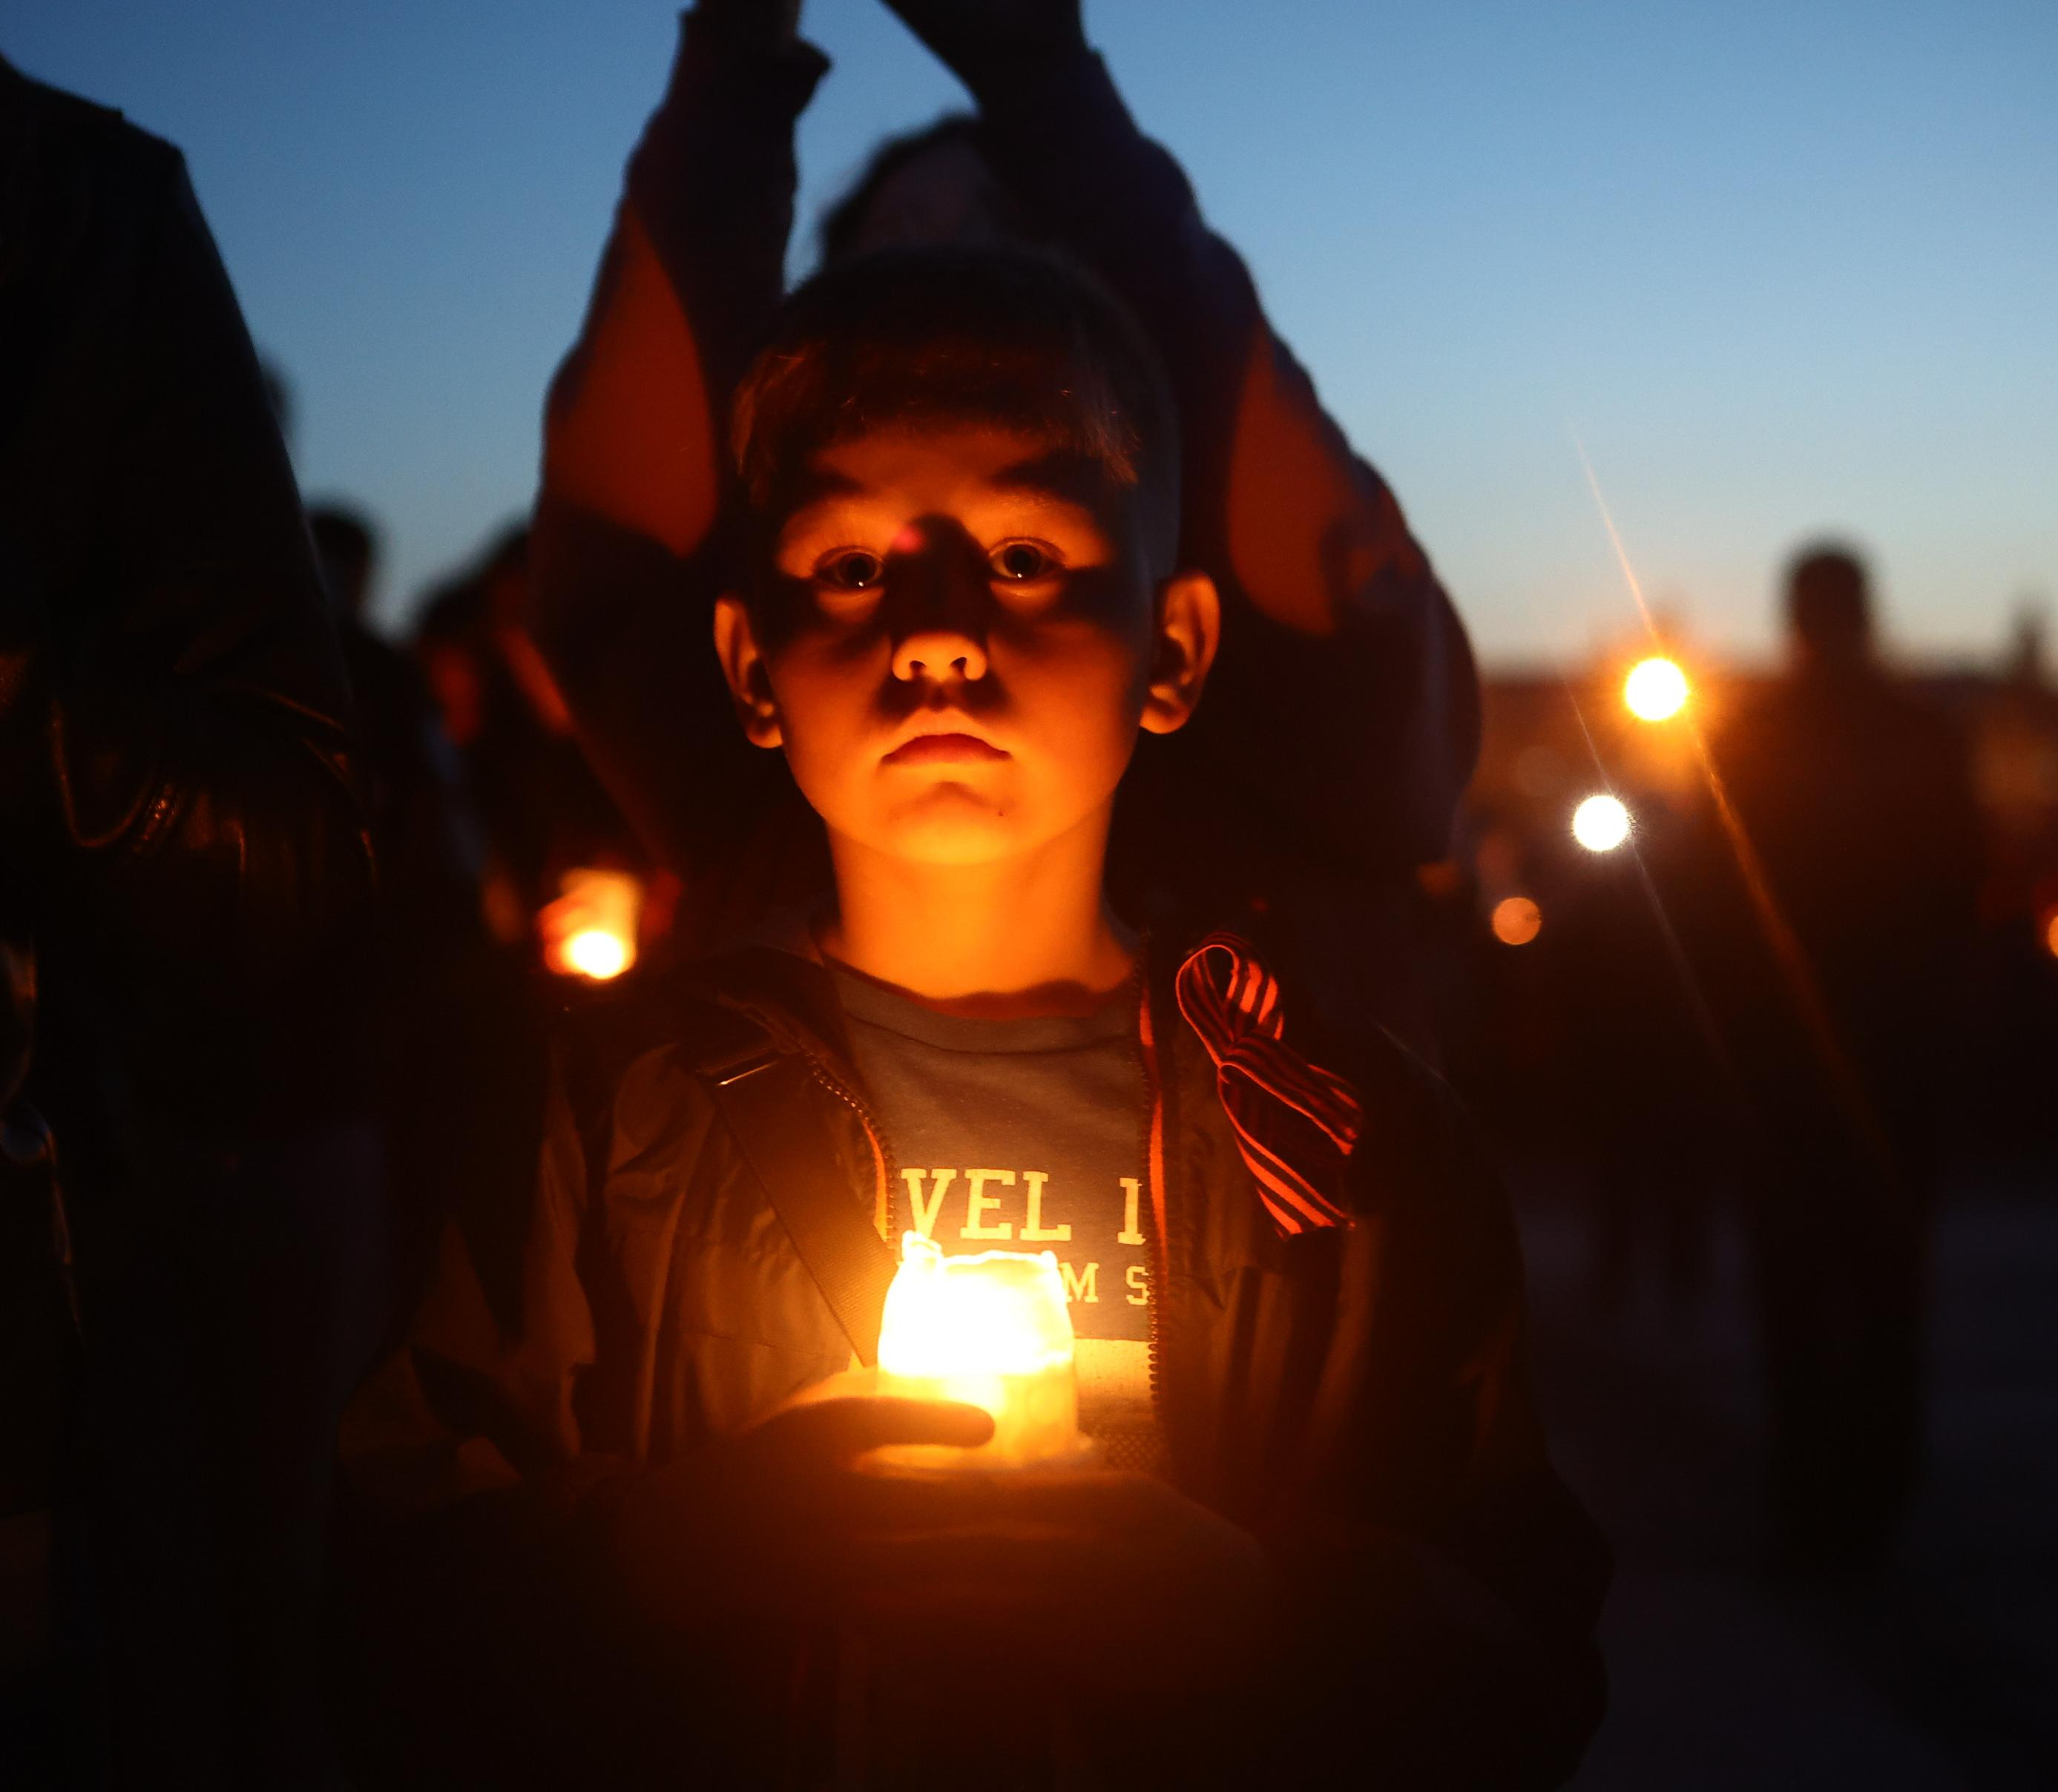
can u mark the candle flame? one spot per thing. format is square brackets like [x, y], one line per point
[997, 1312]
[992, 1330]
[589, 928]
[596, 953]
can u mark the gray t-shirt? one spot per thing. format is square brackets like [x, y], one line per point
[1028, 1135]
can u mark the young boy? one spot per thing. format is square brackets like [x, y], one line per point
[1323, 1538]
[1342, 719]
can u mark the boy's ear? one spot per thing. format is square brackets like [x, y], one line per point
[743, 665]
[1188, 630]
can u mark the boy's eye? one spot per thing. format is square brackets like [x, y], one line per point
[1019, 562]
[851, 570]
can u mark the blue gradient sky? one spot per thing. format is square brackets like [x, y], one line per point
[1785, 268]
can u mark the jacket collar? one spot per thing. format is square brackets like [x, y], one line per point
[773, 977]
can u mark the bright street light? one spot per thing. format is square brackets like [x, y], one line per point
[1600, 824]
[1655, 690]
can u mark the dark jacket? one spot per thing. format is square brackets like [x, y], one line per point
[178, 819]
[1342, 719]
[182, 853]
[1356, 1399]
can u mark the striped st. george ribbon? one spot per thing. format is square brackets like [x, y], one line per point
[1296, 1124]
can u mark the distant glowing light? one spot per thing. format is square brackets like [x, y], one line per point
[2051, 932]
[1655, 690]
[1600, 824]
[594, 952]
[589, 929]
[1517, 920]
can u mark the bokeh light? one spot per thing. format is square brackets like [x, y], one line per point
[595, 952]
[1655, 690]
[1600, 824]
[1517, 920]
[2051, 931]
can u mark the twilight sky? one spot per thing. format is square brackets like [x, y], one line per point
[1785, 268]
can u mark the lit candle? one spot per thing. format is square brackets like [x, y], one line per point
[589, 931]
[992, 1330]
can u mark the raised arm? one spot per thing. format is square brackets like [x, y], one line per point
[1345, 695]
[626, 555]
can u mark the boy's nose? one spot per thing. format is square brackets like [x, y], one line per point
[939, 654]
[939, 593]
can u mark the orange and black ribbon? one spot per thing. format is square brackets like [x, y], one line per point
[1296, 1124]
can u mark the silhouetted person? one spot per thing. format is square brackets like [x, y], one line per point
[1856, 800]
[428, 842]
[540, 814]
[1276, 803]
[1637, 1056]
[182, 861]
[2009, 1080]
[540, 808]
[431, 946]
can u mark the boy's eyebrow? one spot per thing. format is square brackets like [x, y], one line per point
[813, 482]
[1061, 472]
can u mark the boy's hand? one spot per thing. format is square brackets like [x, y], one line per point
[781, 1519]
[978, 40]
[1116, 1579]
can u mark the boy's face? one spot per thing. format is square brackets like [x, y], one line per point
[959, 639]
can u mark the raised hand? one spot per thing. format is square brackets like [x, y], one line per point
[978, 40]
[769, 23]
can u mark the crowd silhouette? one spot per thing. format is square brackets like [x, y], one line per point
[295, 906]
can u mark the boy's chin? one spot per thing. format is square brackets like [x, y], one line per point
[964, 840]
[953, 830]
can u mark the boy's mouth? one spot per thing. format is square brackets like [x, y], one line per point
[934, 749]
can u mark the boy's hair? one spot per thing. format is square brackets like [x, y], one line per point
[1009, 337]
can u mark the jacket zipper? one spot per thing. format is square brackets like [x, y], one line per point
[884, 1164]
[883, 1205]
[882, 1156]
[1153, 1171]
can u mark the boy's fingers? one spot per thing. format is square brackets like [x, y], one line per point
[846, 1428]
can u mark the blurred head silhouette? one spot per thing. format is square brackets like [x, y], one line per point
[1829, 608]
[929, 186]
[346, 551]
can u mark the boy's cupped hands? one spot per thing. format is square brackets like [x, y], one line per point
[1112, 1579]
[1108, 1578]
